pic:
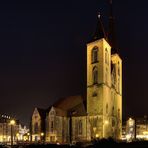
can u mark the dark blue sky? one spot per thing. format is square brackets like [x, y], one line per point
[43, 52]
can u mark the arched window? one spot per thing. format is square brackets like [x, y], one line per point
[94, 54]
[95, 75]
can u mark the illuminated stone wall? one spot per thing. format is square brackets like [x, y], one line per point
[56, 126]
[103, 99]
[36, 126]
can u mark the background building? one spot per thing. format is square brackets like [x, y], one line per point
[135, 128]
[11, 129]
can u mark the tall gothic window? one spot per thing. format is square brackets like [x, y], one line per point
[113, 111]
[106, 56]
[36, 128]
[95, 75]
[80, 127]
[51, 126]
[94, 54]
[118, 69]
[106, 75]
[106, 108]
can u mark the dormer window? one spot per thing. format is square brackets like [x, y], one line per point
[94, 54]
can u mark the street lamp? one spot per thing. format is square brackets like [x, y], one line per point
[12, 123]
[42, 137]
[28, 135]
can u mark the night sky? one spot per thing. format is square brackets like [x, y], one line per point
[43, 52]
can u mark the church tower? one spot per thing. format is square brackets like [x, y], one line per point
[104, 83]
[99, 84]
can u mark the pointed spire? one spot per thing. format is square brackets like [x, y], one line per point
[99, 32]
[111, 32]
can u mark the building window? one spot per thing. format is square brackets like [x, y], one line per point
[118, 85]
[95, 75]
[118, 68]
[36, 128]
[113, 111]
[118, 114]
[80, 127]
[52, 112]
[52, 126]
[113, 123]
[106, 56]
[106, 75]
[95, 122]
[94, 54]
[106, 108]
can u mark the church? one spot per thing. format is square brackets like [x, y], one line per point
[99, 115]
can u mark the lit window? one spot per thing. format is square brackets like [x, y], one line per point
[95, 75]
[95, 54]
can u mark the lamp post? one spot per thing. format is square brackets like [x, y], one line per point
[42, 137]
[28, 136]
[12, 123]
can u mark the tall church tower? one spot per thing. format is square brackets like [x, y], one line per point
[99, 84]
[104, 84]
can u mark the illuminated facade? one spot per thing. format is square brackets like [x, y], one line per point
[135, 129]
[9, 128]
[104, 89]
[99, 115]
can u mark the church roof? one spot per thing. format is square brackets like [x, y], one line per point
[74, 105]
[99, 32]
[68, 102]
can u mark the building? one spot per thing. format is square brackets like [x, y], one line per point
[99, 115]
[136, 128]
[11, 129]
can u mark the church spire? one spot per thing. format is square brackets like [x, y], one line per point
[111, 32]
[99, 32]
